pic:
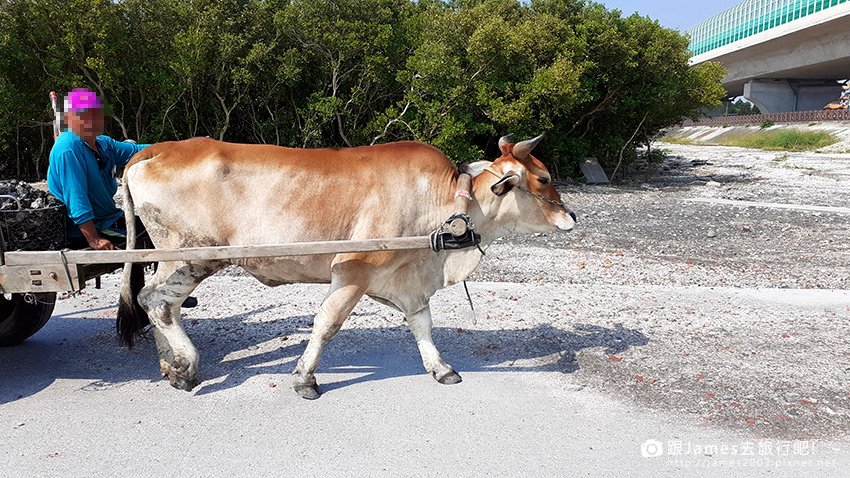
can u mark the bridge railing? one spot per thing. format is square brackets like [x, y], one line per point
[790, 117]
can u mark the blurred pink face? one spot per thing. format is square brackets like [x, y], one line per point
[86, 124]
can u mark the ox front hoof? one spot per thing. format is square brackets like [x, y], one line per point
[180, 373]
[450, 378]
[310, 392]
[181, 383]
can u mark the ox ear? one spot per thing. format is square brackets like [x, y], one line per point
[504, 185]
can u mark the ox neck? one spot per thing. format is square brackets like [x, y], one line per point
[483, 209]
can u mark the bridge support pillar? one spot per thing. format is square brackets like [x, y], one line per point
[780, 96]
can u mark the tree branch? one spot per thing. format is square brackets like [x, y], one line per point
[626, 145]
[397, 119]
[598, 108]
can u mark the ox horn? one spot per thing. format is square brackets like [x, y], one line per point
[504, 141]
[522, 150]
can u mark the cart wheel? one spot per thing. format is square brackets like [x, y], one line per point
[22, 315]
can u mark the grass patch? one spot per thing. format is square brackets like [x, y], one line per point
[781, 140]
[777, 140]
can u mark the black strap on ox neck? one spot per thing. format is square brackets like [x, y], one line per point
[450, 237]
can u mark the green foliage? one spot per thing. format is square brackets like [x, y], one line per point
[456, 74]
[767, 124]
[742, 107]
[656, 156]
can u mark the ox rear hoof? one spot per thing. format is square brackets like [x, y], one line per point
[450, 378]
[189, 302]
[310, 392]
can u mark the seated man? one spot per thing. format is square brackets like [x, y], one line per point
[81, 174]
[82, 169]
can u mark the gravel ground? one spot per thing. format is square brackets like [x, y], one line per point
[646, 233]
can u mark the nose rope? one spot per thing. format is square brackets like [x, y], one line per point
[471, 306]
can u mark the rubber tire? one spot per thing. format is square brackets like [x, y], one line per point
[20, 320]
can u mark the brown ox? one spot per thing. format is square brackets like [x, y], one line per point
[202, 192]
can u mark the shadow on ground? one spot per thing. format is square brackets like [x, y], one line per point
[234, 349]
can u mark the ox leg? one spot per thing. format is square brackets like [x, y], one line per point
[332, 313]
[166, 355]
[420, 324]
[178, 358]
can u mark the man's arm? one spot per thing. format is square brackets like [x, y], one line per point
[93, 238]
[122, 152]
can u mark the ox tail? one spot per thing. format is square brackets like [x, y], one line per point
[132, 319]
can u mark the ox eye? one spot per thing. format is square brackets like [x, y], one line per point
[543, 180]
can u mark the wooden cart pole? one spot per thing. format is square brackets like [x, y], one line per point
[23, 258]
[57, 114]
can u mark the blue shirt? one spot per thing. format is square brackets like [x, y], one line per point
[84, 183]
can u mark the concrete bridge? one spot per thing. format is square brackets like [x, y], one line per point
[783, 55]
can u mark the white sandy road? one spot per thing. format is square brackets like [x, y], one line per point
[74, 404]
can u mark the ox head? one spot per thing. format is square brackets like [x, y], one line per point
[522, 189]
